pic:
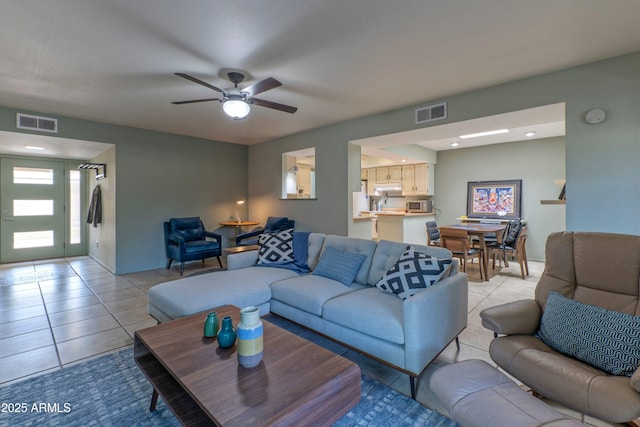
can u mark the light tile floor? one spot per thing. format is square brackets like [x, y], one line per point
[54, 313]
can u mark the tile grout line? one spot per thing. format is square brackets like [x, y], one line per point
[46, 312]
[102, 302]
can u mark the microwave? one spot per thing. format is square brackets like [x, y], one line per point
[420, 206]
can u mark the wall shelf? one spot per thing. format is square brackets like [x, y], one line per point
[553, 202]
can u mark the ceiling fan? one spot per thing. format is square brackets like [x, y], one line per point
[237, 102]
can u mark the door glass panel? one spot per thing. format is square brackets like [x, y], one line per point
[74, 207]
[22, 175]
[32, 207]
[32, 239]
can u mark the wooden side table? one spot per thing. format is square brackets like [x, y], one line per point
[238, 249]
[239, 224]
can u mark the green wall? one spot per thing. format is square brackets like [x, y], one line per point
[159, 176]
[536, 162]
[601, 160]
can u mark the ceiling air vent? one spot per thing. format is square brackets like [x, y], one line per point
[431, 113]
[37, 123]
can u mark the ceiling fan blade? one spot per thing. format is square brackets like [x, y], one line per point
[274, 105]
[198, 81]
[196, 100]
[262, 86]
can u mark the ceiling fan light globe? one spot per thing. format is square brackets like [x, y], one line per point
[236, 108]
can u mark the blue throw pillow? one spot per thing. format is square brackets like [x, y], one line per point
[412, 273]
[340, 265]
[606, 339]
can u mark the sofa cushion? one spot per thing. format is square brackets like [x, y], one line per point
[603, 338]
[565, 380]
[316, 241]
[308, 293]
[412, 273]
[276, 248]
[338, 264]
[370, 311]
[189, 295]
[359, 246]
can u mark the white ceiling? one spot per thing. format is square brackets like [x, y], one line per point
[113, 60]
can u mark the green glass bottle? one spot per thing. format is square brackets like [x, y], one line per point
[211, 325]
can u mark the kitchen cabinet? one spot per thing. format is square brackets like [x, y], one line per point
[304, 181]
[417, 180]
[371, 181]
[389, 174]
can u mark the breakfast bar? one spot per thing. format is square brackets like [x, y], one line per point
[404, 227]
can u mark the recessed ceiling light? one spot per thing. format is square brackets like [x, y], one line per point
[529, 134]
[34, 147]
[403, 160]
[455, 144]
[491, 132]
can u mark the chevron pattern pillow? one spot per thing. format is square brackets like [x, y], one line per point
[606, 339]
[276, 248]
[412, 273]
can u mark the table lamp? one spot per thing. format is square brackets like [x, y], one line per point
[237, 212]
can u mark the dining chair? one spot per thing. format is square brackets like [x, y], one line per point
[433, 234]
[457, 241]
[516, 249]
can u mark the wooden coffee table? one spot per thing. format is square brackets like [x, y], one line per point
[297, 382]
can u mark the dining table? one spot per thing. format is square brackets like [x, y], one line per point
[480, 230]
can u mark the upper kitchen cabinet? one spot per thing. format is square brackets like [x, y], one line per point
[371, 181]
[389, 174]
[418, 180]
[304, 181]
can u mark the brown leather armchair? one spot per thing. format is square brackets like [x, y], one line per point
[600, 269]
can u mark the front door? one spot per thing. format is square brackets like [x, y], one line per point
[32, 217]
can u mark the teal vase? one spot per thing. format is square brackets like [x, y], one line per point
[227, 335]
[211, 325]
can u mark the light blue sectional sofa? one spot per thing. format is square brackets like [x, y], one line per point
[406, 334]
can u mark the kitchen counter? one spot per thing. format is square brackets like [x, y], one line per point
[370, 214]
[405, 213]
[404, 227]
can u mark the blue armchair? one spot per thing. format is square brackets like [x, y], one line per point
[273, 225]
[186, 240]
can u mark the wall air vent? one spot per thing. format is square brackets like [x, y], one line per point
[431, 113]
[36, 123]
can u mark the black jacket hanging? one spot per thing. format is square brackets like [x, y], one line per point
[95, 208]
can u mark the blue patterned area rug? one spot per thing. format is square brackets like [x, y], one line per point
[112, 391]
